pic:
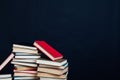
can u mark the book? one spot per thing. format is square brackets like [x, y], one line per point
[25, 50]
[46, 78]
[19, 71]
[9, 58]
[42, 74]
[5, 75]
[24, 74]
[48, 50]
[24, 68]
[26, 54]
[25, 78]
[32, 57]
[23, 46]
[24, 60]
[6, 79]
[53, 71]
[24, 64]
[54, 67]
[59, 62]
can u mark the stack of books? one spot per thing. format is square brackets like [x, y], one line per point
[28, 64]
[54, 68]
[25, 67]
[5, 77]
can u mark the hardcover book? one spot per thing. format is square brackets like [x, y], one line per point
[48, 50]
[42, 74]
[53, 71]
[9, 58]
[59, 62]
[54, 67]
[19, 71]
[44, 78]
[25, 74]
[5, 77]
[24, 68]
[24, 64]
[23, 46]
[24, 50]
[24, 60]
[25, 78]
[28, 57]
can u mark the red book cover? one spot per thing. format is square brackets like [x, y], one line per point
[48, 50]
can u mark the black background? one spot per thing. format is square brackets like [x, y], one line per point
[86, 32]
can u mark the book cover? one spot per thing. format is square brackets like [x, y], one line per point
[48, 50]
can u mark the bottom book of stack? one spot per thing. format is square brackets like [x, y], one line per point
[44, 78]
[5, 77]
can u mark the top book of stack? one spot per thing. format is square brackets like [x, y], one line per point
[26, 49]
[48, 50]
